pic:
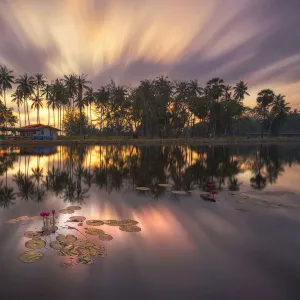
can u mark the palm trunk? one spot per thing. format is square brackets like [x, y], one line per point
[80, 127]
[53, 116]
[19, 114]
[91, 114]
[48, 116]
[27, 111]
[5, 113]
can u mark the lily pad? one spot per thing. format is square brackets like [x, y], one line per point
[31, 256]
[165, 185]
[113, 223]
[130, 228]
[142, 188]
[105, 237]
[74, 207]
[66, 239]
[94, 231]
[129, 222]
[84, 259]
[35, 218]
[12, 221]
[24, 218]
[35, 243]
[77, 219]
[80, 224]
[179, 192]
[32, 234]
[56, 245]
[83, 243]
[94, 222]
[66, 211]
[70, 250]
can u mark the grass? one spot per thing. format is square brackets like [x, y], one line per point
[123, 140]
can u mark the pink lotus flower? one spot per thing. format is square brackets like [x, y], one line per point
[42, 214]
[53, 211]
[214, 192]
[47, 214]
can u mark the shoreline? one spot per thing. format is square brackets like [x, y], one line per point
[152, 142]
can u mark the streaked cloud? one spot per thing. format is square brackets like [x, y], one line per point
[253, 40]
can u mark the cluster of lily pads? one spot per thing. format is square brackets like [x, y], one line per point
[77, 250]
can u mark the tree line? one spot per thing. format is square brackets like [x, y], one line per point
[158, 107]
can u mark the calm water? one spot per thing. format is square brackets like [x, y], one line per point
[246, 245]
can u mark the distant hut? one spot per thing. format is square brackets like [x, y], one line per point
[38, 132]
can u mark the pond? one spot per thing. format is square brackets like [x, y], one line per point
[242, 243]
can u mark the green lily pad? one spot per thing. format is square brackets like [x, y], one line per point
[129, 222]
[73, 207]
[80, 224]
[70, 250]
[130, 228]
[84, 259]
[179, 192]
[24, 218]
[66, 211]
[77, 219]
[35, 243]
[56, 245]
[32, 234]
[94, 231]
[94, 222]
[35, 218]
[66, 239]
[31, 256]
[105, 237]
[113, 222]
[83, 243]
[165, 185]
[12, 221]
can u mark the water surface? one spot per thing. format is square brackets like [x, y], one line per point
[243, 246]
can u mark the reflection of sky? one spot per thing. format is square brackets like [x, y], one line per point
[186, 246]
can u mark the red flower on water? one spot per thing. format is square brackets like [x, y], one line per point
[53, 211]
[214, 192]
[42, 214]
[47, 214]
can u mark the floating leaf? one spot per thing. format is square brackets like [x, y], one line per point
[74, 207]
[77, 219]
[31, 256]
[113, 223]
[94, 222]
[94, 231]
[66, 211]
[179, 192]
[24, 218]
[70, 250]
[32, 234]
[130, 228]
[66, 239]
[129, 222]
[105, 237]
[83, 243]
[165, 185]
[142, 188]
[56, 245]
[84, 259]
[80, 224]
[35, 218]
[35, 243]
[12, 221]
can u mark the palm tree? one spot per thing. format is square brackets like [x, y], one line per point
[81, 84]
[6, 81]
[26, 85]
[240, 90]
[264, 99]
[89, 99]
[47, 93]
[71, 86]
[39, 83]
[17, 97]
[37, 104]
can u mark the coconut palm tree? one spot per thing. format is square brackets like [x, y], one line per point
[17, 97]
[240, 90]
[47, 93]
[37, 104]
[81, 84]
[6, 81]
[70, 83]
[89, 99]
[264, 100]
[26, 85]
[39, 84]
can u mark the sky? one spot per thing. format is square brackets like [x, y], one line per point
[257, 41]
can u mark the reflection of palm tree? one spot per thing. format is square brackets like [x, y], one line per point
[258, 182]
[40, 191]
[25, 185]
[7, 196]
[233, 184]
